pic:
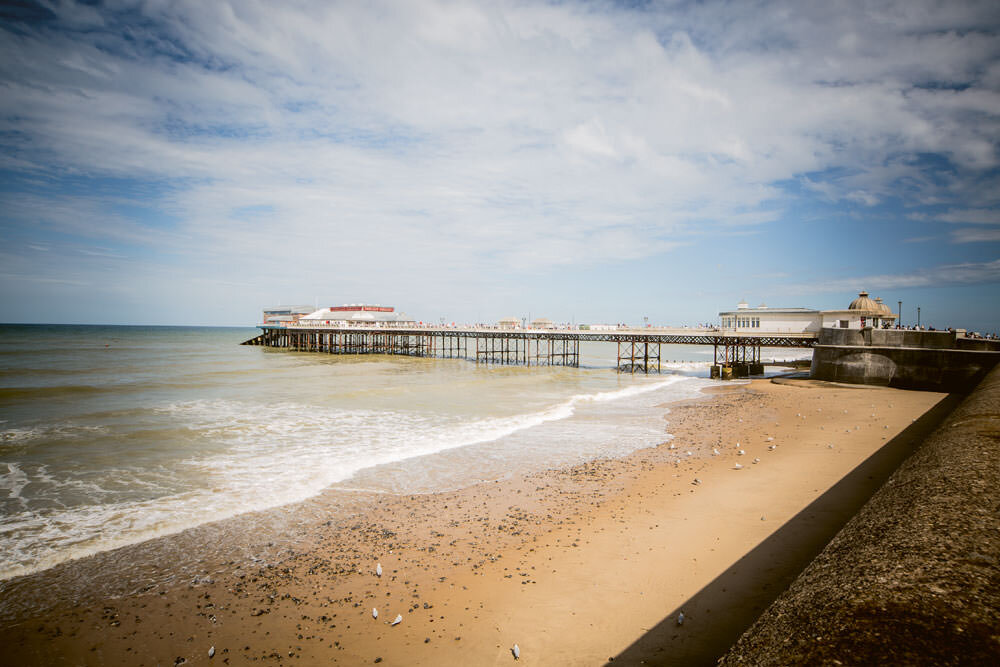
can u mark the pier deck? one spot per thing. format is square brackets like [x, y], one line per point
[638, 349]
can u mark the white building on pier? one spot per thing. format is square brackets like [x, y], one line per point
[862, 312]
[360, 315]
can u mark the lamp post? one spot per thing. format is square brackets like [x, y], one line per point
[918, 317]
[900, 322]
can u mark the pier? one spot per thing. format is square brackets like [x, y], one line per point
[639, 350]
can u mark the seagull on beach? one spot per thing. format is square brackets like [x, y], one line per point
[378, 570]
[397, 620]
[772, 447]
[756, 460]
[715, 452]
[740, 453]
[737, 467]
[696, 481]
[770, 438]
[516, 651]
[680, 618]
[374, 612]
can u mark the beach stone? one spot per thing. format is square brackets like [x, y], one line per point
[914, 577]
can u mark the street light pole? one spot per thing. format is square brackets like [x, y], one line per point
[918, 317]
[900, 322]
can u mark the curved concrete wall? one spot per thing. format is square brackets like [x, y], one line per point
[914, 578]
[903, 367]
[935, 360]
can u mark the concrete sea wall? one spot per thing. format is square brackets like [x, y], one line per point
[933, 360]
[914, 577]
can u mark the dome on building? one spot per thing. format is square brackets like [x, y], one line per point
[864, 302]
[882, 307]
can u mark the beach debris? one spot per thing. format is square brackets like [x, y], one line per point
[211, 652]
[798, 414]
[737, 467]
[741, 452]
[672, 446]
[689, 454]
[737, 445]
[680, 618]
[516, 652]
[756, 460]
[397, 620]
[829, 446]
[378, 570]
[886, 426]
[762, 518]
[374, 612]
[715, 452]
[770, 438]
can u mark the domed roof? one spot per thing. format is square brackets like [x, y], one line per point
[863, 302]
[883, 308]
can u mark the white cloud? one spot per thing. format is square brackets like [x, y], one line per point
[466, 140]
[972, 216]
[944, 275]
[975, 235]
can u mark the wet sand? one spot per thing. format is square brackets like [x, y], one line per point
[575, 566]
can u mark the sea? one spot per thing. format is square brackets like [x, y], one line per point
[115, 435]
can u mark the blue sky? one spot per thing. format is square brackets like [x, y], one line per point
[191, 162]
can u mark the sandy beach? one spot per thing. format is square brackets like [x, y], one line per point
[577, 566]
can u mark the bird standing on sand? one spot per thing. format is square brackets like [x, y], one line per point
[374, 612]
[378, 570]
[737, 467]
[397, 620]
[516, 651]
[680, 618]
[715, 452]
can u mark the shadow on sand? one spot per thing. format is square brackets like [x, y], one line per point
[716, 616]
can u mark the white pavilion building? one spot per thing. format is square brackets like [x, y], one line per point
[360, 315]
[862, 312]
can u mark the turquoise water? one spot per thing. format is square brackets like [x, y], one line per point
[114, 435]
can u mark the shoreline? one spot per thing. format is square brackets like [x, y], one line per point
[576, 565]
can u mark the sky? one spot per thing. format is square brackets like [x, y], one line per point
[189, 163]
